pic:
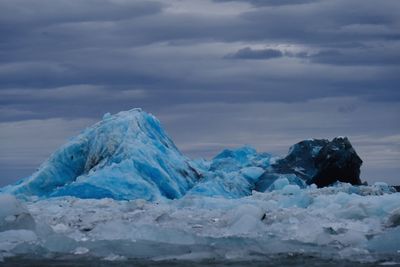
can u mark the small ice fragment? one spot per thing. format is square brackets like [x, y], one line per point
[394, 218]
[280, 184]
[13, 214]
[60, 228]
[291, 189]
[252, 173]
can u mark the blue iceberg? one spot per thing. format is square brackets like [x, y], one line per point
[129, 156]
[125, 156]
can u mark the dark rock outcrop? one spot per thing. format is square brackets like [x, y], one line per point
[396, 187]
[301, 159]
[337, 161]
[318, 161]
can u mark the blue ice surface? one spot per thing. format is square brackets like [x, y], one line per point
[129, 156]
[232, 173]
[276, 181]
[124, 156]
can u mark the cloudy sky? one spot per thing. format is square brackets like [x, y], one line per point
[217, 73]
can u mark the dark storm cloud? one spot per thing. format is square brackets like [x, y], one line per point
[360, 56]
[326, 24]
[364, 57]
[67, 60]
[47, 12]
[248, 53]
[271, 2]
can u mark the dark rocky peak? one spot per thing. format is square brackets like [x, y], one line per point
[337, 161]
[321, 162]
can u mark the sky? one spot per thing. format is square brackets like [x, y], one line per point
[216, 73]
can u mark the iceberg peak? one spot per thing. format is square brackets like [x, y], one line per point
[126, 155]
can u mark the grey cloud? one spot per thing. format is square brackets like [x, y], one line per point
[328, 22]
[249, 53]
[272, 2]
[70, 60]
[27, 25]
[323, 23]
[96, 86]
[68, 102]
[366, 57]
[45, 12]
[202, 129]
[32, 73]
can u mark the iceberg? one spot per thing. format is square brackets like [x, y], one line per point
[129, 156]
[124, 156]
[121, 190]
